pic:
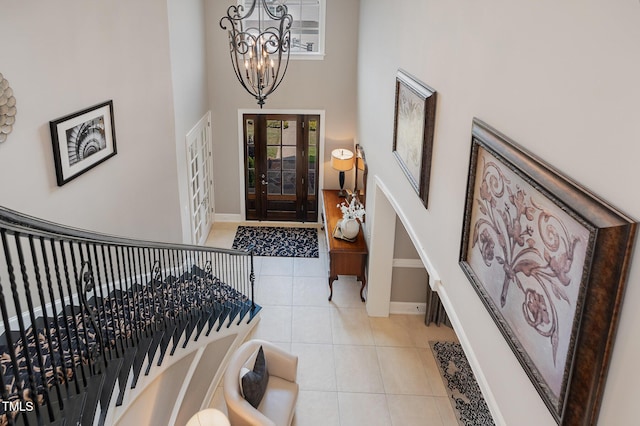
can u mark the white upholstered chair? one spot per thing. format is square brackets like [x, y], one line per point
[277, 406]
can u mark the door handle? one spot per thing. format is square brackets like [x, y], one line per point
[264, 183]
[263, 179]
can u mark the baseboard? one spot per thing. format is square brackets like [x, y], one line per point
[407, 308]
[227, 217]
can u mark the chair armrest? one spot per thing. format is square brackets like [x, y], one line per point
[241, 413]
[279, 362]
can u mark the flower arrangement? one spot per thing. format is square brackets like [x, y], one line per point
[352, 210]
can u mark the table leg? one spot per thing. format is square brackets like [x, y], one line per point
[331, 280]
[364, 282]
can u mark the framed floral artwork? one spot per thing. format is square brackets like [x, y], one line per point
[549, 261]
[415, 112]
[82, 140]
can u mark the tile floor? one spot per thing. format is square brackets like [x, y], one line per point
[353, 369]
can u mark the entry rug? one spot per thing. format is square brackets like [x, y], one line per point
[464, 393]
[277, 241]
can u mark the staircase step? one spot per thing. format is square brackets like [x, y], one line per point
[153, 348]
[111, 378]
[92, 392]
[166, 340]
[226, 310]
[73, 409]
[246, 307]
[254, 312]
[236, 308]
[204, 320]
[194, 320]
[125, 371]
[141, 355]
[217, 313]
[177, 334]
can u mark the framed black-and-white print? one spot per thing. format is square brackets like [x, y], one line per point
[549, 261]
[83, 140]
[415, 113]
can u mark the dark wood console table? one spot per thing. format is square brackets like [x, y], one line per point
[345, 257]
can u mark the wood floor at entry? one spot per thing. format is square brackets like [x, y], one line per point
[281, 166]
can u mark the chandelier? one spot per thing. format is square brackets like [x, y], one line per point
[259, 42]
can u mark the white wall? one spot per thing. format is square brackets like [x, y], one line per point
[64, 56]
[189, 77]
[561, 78]
[312, 85]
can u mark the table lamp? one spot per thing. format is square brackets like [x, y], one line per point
[342, 160]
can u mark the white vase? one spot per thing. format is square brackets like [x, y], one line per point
[350, 228]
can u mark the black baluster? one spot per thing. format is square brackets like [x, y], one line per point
[136, 319]
[3, 387]
[124, 299]
[57, 321]
[113, 302]
[100, 299]
[45, 315]
[76, 333]
[252, 279]
[142, 299]
[12, 355]
[23, 334]
[77, 276]
[164, 293]
[36, 337]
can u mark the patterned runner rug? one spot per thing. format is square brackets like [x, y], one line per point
[464, 392]
[277, 241]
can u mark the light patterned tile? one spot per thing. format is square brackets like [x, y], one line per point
[350, 327]
[357, 409]
[421, 334]
[432, 371]
[446, 411]
[274, 290]
[402, 371]
[276, 266]
[412, 410]
[317, 408]
[310, 267]
[316, 368]
[311, 325]
[346, 292]
[274, 325]
[357, 369]
[390, 331]
[310, 291]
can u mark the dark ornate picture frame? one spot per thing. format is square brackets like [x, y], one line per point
[83, 140]
[549, 261]
[414, 121]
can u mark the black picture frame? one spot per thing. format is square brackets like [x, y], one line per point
[83, 140]
[549, 260]
[413, 129]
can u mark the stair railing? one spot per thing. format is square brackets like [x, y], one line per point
[72, 300]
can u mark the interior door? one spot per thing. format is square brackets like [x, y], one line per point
[200, 179]
[281, 167]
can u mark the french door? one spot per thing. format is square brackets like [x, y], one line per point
[200, 179]
[281, 166]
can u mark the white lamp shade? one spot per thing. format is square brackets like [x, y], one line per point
[342, 159]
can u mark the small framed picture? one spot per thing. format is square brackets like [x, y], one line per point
[83, 140]
[415, 113]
